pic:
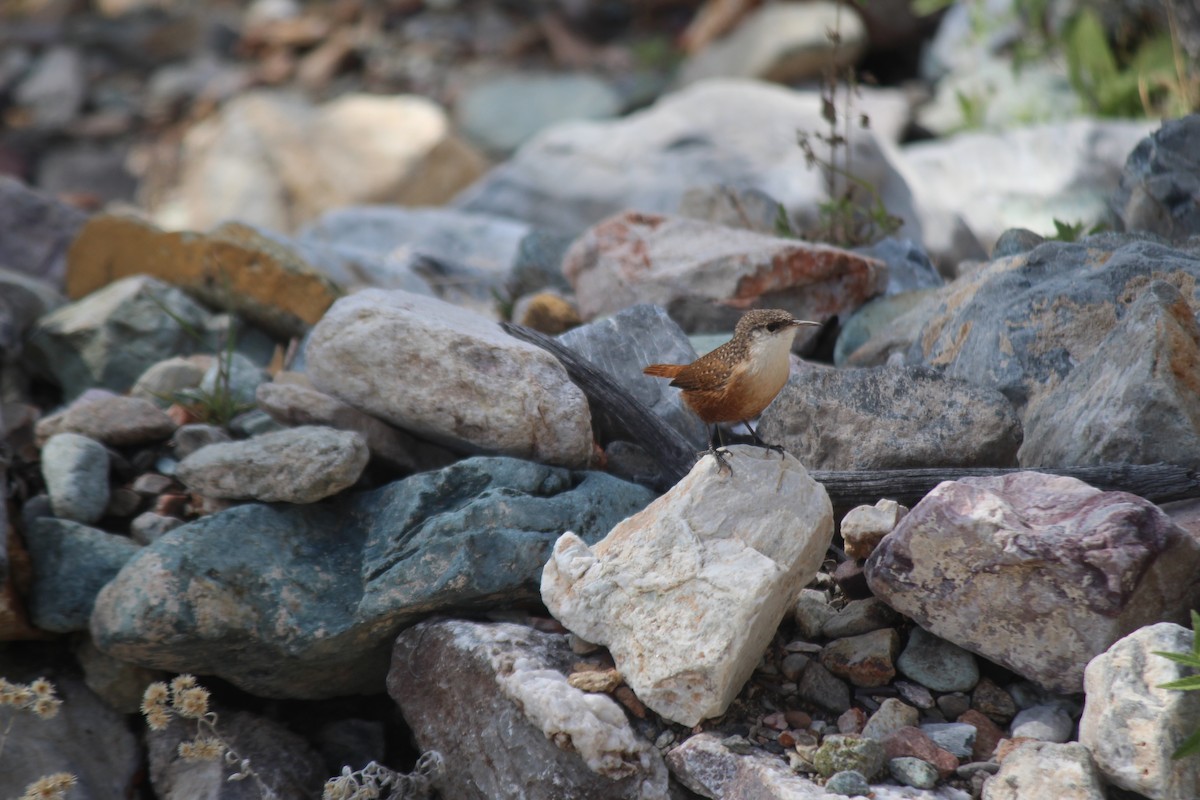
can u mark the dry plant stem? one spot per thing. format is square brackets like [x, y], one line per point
[4, 736]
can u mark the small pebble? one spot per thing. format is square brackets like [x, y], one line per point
[1046, 723]
[998, 704]
[969, 769]
[915, 693]
[739, 745]
[797, 718]
[793, 665]
[149, 527]
[957, 737]
[852, 721]
[848, 783]
[954, 704]
[665, 739]
[151, 483]
[913, 772]
[937, 664]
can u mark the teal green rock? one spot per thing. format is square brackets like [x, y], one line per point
[305, 601]
[71, 564]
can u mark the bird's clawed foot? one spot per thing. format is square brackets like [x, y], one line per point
[778, 448]
[721, 455]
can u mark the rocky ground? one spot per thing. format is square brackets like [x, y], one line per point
[261, 425]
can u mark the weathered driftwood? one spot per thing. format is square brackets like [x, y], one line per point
[1158, 483]
[620, 416]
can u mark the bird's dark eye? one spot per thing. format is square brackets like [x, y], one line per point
[774, 326]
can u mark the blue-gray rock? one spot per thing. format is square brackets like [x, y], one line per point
[1047, 723]
[109, 338]
[36, 231]
[848, 783]
[163, 381]
[937, 664]
[296, 465]
[890, 418]
[71, 563]
[23, 298]
[822, 688]
[460, 257]
[889, 323]
[501, 688]
[485, 112]
[237, 378]
[1133, 401]
[76, 472]
[909, 267]
[538, 264]
[255, 422]
[913, 772]
[320, 591]
[957, 737]
[1022, 324]
[621, 345]
[1161, 181]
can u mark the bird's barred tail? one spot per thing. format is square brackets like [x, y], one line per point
[663, 370]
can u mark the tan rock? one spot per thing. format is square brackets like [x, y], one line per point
[233, 267]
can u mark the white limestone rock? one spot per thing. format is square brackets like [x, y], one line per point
[1045, 769]
[1131, 725]
[688, 592]
[450, 376]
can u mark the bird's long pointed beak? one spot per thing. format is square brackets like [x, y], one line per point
[799, 322]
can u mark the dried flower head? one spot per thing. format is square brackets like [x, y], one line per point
[157, 718]
[46, 707]
[202, 748]
[51, 787]
[182, 683]
[42, 688]
[192, 703]
[154, 706]
[23, 696]
[8, 692]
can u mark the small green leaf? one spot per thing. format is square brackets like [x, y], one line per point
[1190, 659]
[1190, 683]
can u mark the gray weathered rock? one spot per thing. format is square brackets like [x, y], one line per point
[466, 688]
[891, 715]
[190, 438]
[1035, 572]
[1021, 324]
[883, 330]
[109, 338]
[479, 388]
[1133, 401]
[909, 267]
[820, 687]
[71, 564]
[23, 299]
[703, 273]
[111, 419]
[858, 617]
[85, 738]
[148, 527]
[848, 783]
[321, 590]
[955, 737]
[1043, 769]
[120, 685]
[461, 257]
[622, 344]
[840, 752]
[76, 472]
[707, 767]
[890, 418]
[36, 231]
[1161, 181]
[687, 593]
[731, 132]
[297, 465]
[282, 760]
[913, 772]
[297, 404]
[1130, 725]
[55, 88]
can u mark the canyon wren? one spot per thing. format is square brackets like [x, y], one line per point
[735, 382]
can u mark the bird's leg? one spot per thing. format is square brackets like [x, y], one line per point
[778, 448]
[716, 452]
